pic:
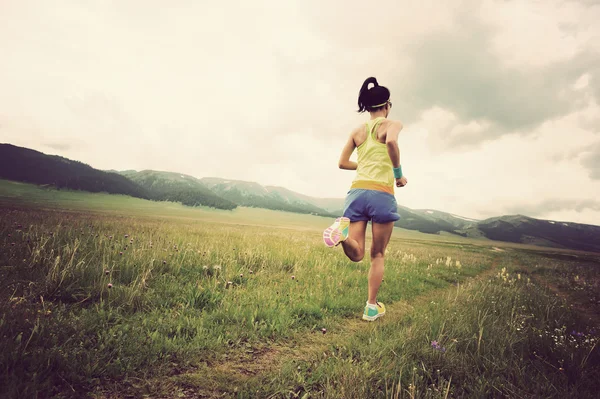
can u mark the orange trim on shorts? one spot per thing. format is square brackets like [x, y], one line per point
[371, 185]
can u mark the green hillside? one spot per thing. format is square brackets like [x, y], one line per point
[30, 166]
[25, 165]
[255, 195]
[175, 187]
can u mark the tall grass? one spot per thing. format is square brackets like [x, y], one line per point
[90, 302]
[87, 299]
[500, 337]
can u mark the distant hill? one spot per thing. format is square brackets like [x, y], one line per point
[457, 222]
[510, 228]
[427, 221]
[167, 186]
[332, 205]
[523, 229]
[25, 165]
[255, 195]
[30, 166]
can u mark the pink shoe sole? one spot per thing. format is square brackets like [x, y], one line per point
[332, 235]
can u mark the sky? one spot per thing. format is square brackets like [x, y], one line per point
[500, 100]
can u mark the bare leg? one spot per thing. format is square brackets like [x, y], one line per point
[381, 237]
[354, 245]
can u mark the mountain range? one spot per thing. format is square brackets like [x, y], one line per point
[26, 165]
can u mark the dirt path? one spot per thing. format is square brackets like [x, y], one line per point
[238, 369]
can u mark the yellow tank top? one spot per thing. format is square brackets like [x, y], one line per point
[375, 169]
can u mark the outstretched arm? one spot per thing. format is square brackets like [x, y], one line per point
[345, 162]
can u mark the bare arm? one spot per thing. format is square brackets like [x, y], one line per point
[391, 141]
[345, 162]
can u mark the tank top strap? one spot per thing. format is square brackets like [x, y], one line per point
[372, 130]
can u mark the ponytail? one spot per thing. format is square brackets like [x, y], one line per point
[374, 98]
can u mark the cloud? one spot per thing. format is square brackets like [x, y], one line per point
[595, 84]
[456, 70]
[499, 98]
[591, 160]
[58, 146]
[548, 206]
[498, 67]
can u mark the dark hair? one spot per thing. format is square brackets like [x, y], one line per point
[376, 95]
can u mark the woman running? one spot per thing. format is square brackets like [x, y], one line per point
[371, 196]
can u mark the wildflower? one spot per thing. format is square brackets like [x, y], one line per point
[324, 330]
[437, 346]
[241, 275]
[109, 285]
[293, 277]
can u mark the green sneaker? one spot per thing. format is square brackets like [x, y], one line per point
[372, 313]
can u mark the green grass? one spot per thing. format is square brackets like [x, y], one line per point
[29, 196]
[497, 338]
[237, 309]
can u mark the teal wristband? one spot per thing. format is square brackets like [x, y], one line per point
[398, 172]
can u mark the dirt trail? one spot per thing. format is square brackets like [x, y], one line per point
[241, 368]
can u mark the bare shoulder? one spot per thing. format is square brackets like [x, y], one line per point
[393, 131]
[359, 134]
[395, 125]
[358, 131]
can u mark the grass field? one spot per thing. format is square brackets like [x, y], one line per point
[105, 296]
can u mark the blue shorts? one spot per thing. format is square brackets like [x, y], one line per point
[362, 204]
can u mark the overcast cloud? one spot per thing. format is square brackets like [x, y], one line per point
[500, 99]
